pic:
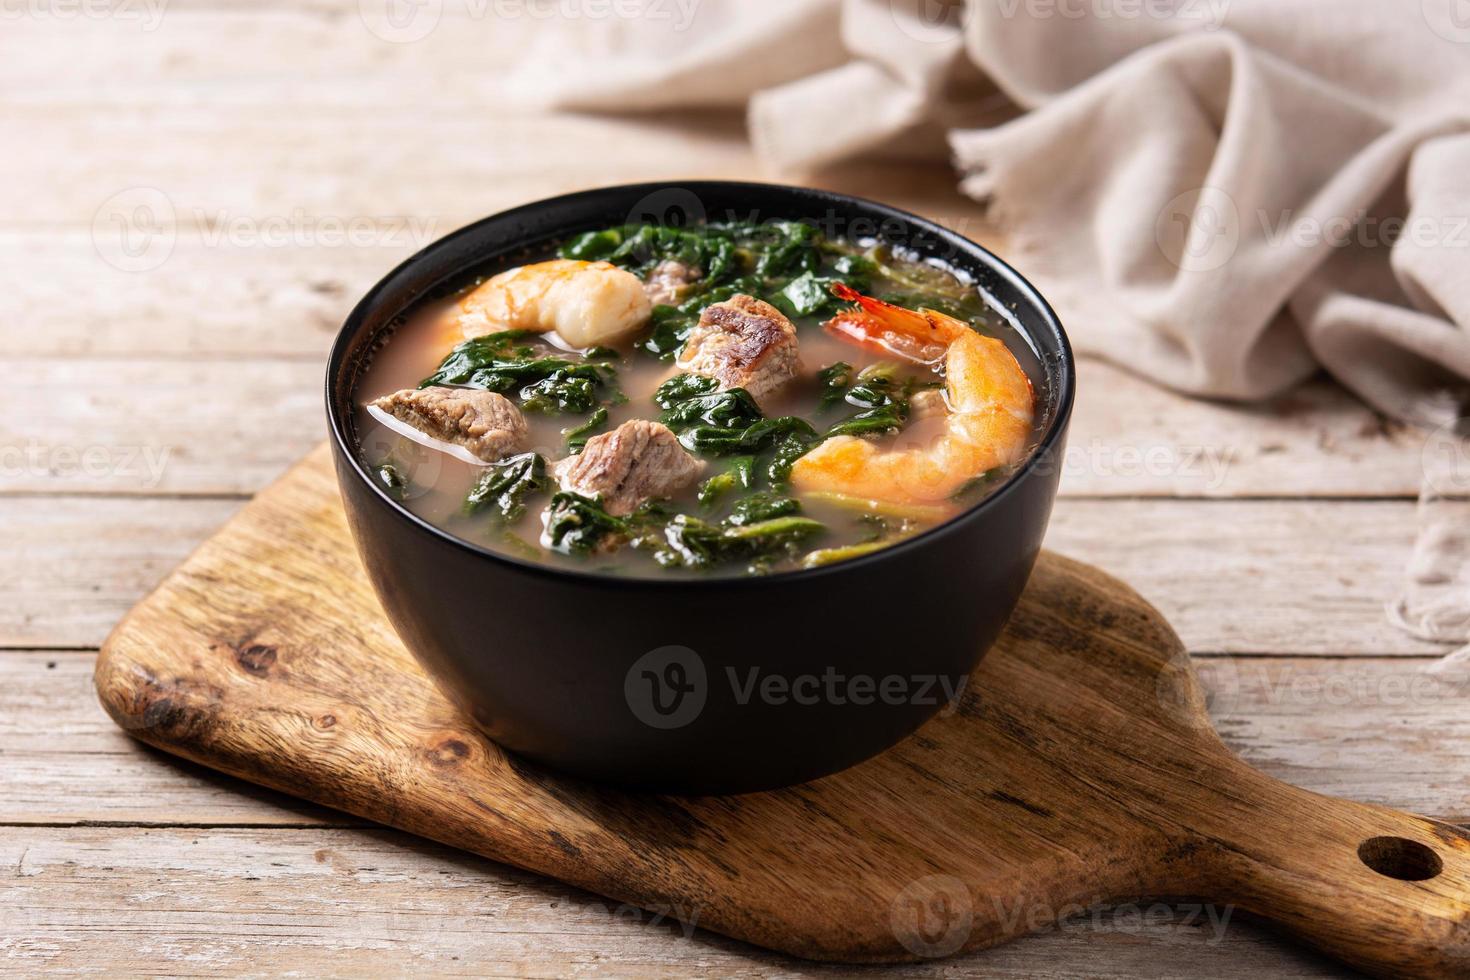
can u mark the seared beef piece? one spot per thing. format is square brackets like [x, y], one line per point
[488, 425]
[742, 343]
[665, 284]
[637, 461]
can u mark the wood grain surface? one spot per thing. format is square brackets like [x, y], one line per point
[127, 860]
[1079, 771]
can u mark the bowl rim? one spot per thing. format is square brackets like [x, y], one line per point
[1065, 379]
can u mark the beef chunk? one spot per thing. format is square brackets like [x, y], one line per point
[636, 462]
[487, 425]
[742, 343]
[667, 282]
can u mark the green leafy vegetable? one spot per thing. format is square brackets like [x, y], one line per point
[791, 248]
[828, 556]
[692, 399]
[856, 270]
[562, 390]
[711, 490]
[834, 379]
[693, 543]
[578, 435]
[594, 245]
[579, 525]
[760, 507]
[882, 394]
[505, 486]
[787, 263]
[544, 382]
[392, 480]
[976, 486]
[713, 440]
[788, 451]
[724, 422]
[741, 474]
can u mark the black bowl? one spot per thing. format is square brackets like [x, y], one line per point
[713, 685]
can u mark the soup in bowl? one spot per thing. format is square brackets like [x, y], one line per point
[707, 487]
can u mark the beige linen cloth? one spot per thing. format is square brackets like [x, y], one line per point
[1221, 195]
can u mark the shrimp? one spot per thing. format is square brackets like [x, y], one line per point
[583, 303]
[989, 400]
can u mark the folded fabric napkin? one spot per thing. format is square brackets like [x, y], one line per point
[1221, 195]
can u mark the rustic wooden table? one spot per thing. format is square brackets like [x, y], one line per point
[194, 196]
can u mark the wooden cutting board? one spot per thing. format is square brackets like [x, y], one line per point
[1080, 770]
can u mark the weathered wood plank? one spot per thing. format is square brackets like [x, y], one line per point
[105, 424]
[77, 565]
[66, 762]
[1239, 576]
[353, 903]
[1377, 730]
[217, 426]
[312, 53]
[1313, 575]
[1131, 438]
[235, 301]
[235, 176]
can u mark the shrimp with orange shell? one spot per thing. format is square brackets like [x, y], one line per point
[989, 401]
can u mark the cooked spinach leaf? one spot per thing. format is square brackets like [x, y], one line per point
[829, 556]
[505, 486]
[594, 245]
[762, 506]
[542, 381]
[835, 380]
[578, 435]
[561, 391]
[714, 440]
[810, 294]
[393, 480]
[741, 474]
[880, 392]
[579, 525]
[694, 543]
[788, 451]
[671, 327]
[724, 422]
[639, 248]
[711, 490]
[787, 263]
[692, 399]
[976, 486]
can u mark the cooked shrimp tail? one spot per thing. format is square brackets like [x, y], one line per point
[916, 335]
[989, 399]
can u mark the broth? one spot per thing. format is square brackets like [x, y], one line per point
[434, 485]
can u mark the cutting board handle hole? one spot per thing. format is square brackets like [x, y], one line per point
[1401, 858]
